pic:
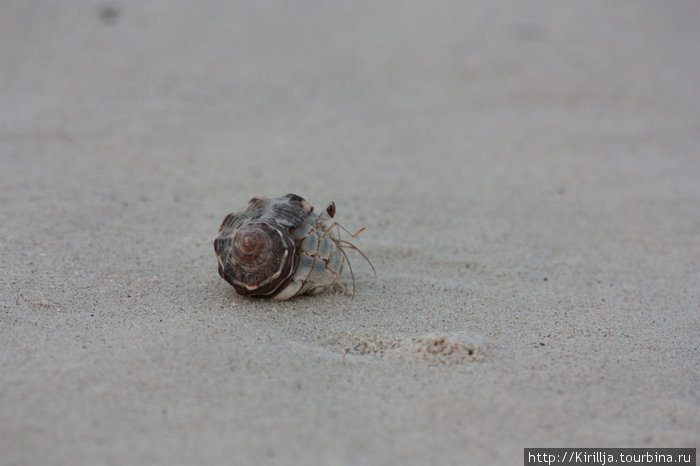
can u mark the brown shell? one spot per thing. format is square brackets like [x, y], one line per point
[255, 249]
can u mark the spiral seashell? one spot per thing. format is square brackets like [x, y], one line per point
[280, 248]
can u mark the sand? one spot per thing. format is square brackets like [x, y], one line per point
[528, 174]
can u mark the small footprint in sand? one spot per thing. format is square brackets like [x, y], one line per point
[437, 348]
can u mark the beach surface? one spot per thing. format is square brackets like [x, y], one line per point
[528, 175]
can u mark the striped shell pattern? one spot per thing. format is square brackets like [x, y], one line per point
[279, 248]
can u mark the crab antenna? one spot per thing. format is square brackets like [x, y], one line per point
[339, 226]
[351, 274]
[346, 231]
[349, 245]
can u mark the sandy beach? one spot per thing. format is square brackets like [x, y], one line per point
[528, 175]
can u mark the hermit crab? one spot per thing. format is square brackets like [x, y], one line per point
[279, 248]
